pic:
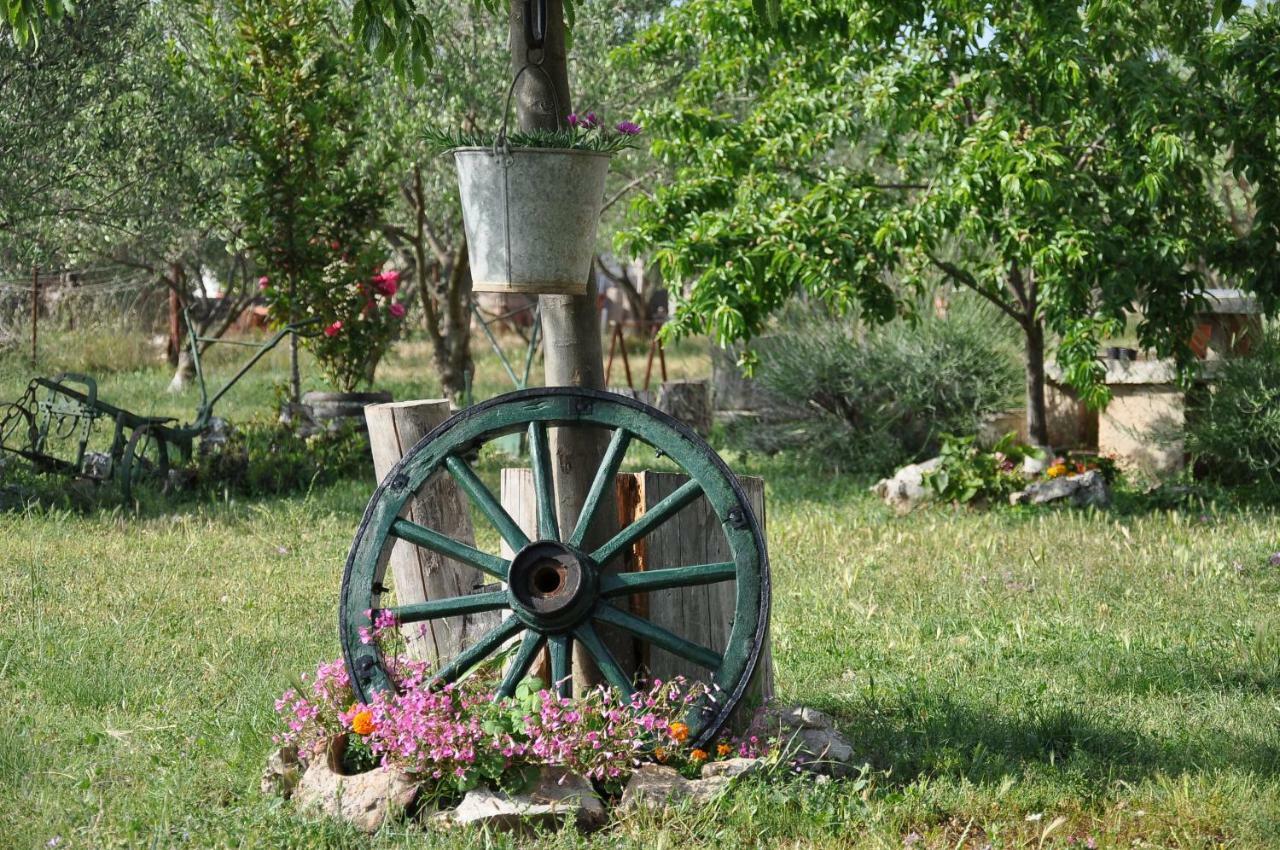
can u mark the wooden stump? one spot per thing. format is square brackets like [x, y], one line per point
[704, 614]
[418, 573]
[687, 401]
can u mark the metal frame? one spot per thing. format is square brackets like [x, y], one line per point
[70, 405]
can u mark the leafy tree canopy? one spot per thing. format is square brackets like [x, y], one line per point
[1064, 160]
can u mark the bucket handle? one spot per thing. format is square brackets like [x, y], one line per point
[500, 142]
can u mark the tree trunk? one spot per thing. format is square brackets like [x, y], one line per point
[1037, 421]
[185, 372]
[453, 353]
[572, 349]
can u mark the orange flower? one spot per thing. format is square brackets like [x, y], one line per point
[698, 755]
[362, 723]
[660, 754]
[723, 750]
[679, 732]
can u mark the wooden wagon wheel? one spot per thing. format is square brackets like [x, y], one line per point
[554, 591]
[145, 462]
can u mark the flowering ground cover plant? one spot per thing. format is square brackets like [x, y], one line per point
[461, 735]
[585, 132]
[456, 737]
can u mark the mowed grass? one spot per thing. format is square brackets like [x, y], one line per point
[1047, 678]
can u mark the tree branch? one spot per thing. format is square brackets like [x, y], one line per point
[968, 281]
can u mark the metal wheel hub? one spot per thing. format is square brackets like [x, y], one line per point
[552, 586]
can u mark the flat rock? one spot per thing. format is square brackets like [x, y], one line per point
[365, 800]
[654, 786]
[730, 768]
[906, 488]
[809, 738]
[282, 773]
[1088, 489]
[559, 798]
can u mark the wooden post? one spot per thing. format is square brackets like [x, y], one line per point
[35, 310]
[419, 574]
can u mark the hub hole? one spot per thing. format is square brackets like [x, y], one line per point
[548, 578]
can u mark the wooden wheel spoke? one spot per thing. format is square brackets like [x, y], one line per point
[478, 651]
[484, 499]
[659, 636]
[651, 519]
[604, 479]
[529, 647]
[454, 606]
[420, 535]
[604, 659]
[561, 664]
[620, 584]
[543, 483]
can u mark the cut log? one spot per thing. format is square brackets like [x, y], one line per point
[419, 574]
[704, 614]
[687, 401]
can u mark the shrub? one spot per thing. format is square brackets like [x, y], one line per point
[879, 397]
[1233, 431]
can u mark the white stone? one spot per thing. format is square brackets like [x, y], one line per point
[808, 738]
[654, 786]
[559, 798]
[906, 488]
[365, 800]
[282, 773]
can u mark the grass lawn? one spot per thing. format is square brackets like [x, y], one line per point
[1045, 678]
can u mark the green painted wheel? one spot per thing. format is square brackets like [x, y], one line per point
[553, 592]
[145, 463]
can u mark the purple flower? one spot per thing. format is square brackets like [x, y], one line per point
[590, 121]
[628, 128]
[573, 120]
[1274, 560]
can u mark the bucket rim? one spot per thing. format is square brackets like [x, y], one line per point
[473, 149]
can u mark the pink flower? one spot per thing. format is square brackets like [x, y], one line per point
[386, 283]
[573, 120]
[333, 329]
[263, 282]
[627, 128]
[590, 121]
[397, 310]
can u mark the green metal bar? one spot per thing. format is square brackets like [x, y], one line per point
[620, 584]
[561, 664]
[485, 501]
[604, 479]
[420, 535]
[206, 409]
[493, 341]
[604, 659]
[533, 344]
[529, 647]
[543, 483]
[478, 651]
[658, 636]
[452, 607]
[650, 520]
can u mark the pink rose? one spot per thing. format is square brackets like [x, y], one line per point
[397, 310]
[333, 329]
[263, 281]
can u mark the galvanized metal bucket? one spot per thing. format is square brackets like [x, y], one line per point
[531, 216]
